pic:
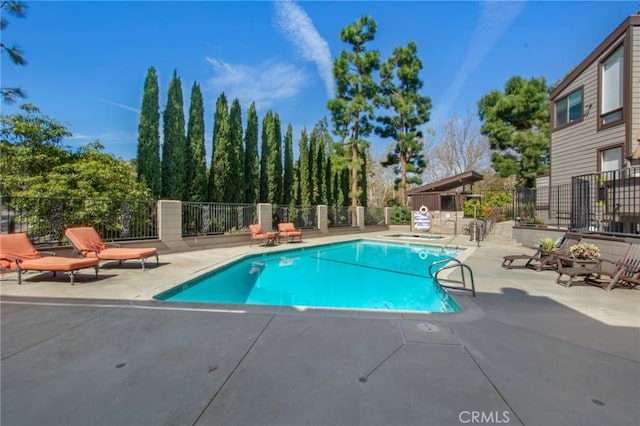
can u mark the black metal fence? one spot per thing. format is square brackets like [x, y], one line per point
[374, 216]
[216, 219]
[339, 216]
[303, 217]
[607, 202]
[45, 219]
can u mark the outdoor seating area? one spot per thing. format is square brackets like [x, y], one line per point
[289, 231]
[606, 262]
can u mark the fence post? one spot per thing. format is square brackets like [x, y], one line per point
[387, 216]
[170, 223]
[265, 216]
[322, 213]
[360, 217]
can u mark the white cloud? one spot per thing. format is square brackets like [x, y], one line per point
[495, 19]
[123, 106]
[296, 25]
[264, 84]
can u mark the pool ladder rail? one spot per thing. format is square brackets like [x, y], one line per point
[463, 281]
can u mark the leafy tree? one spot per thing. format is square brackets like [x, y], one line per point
[221, 172]
[406, 110]
[19, 10]
[288, 177]
[517, 124]
[251, 158]
[235, 186]
[196, 161]
[174, 148]
[304, 171]
[30, 145]
[352, 109]
[148, 158]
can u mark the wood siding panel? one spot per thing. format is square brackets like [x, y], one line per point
[635, 88]
[574, 149]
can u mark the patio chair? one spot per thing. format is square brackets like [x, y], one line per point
[627, 270]
[288, 230]
[543, 259]
[86, 241]
[257, 233]
[18, 254]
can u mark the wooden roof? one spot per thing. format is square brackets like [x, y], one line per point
[448, 184]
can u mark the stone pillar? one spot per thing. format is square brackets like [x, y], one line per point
[387, 216]
[265, 216]
[170, 223]
[322, 213]
[360, 217]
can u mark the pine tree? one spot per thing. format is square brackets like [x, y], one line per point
[174, 148]
[220, 173]
[352, 109]
[288, 178]
[251, 158]
[407, 110]
[236, 185]
[196, 164]
[148, 158]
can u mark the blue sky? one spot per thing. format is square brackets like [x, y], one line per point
[87, 60]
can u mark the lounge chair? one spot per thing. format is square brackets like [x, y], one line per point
[543, 259]
[18, 254]
[257, 233]
[288, 230]
[627, 272]
[87, 242]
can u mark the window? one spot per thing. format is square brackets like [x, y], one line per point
[611, 159]
[569, 108]
[611, 90]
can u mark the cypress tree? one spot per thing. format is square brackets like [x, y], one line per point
[328, 181]
[234, 189]
[305, 173]
[275, 161]
[221, 173]
[313, 165]
[196, 164]
[174, 148]
[288, 191]
[148, 161]
[264, 157]
[251, 158]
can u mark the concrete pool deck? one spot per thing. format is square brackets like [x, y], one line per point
[524, 351]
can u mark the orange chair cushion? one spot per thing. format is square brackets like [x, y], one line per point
[117, 253]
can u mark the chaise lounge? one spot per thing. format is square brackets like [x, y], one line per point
[542, 259]
[87, 242]
[18, 254]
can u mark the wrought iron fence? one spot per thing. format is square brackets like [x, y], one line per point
[303, 217]
[607, 202]
[215, 218]
[45, 219]
[374, 216]
[339, 216]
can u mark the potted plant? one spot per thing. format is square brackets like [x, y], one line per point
[547, 244]
[584, 251]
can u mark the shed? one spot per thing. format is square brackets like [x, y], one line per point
[448, 194]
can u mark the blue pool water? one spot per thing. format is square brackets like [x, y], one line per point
[358, 275]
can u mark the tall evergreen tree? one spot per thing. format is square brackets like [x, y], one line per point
[174, 148]
[406, 110]
[251, 158]
[236, 186]
[274, 160]
[329, 180]
[197, 163]
[313, 165]
[148, 158]
[305, 172]
[517, 125]
[264, 157]
[288, 177]
[352, 109]
[220, 173]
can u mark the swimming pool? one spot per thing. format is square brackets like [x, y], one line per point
[359, 274]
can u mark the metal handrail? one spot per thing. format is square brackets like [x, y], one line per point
[456, 264]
